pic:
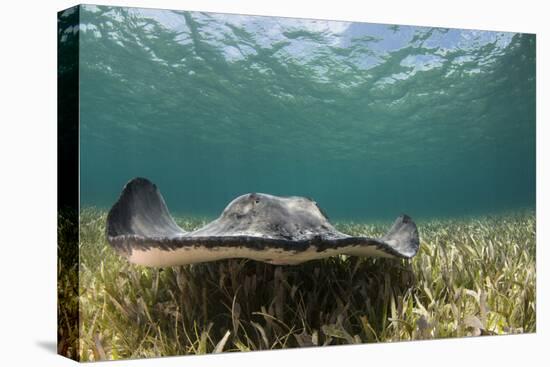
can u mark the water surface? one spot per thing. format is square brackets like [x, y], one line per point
[369, 120]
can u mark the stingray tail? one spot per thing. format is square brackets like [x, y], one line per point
[403, 236]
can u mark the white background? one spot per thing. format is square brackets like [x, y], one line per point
[28, 181]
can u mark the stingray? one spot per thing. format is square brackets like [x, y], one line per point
[262, 227]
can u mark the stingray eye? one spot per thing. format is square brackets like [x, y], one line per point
[254, 199]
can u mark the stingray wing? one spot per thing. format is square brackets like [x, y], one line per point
[140, 227]
[141, 211]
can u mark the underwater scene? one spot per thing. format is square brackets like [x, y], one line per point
[370, 121]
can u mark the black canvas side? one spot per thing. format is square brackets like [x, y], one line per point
[67, 182]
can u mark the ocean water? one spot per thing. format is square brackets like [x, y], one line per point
[369, 120]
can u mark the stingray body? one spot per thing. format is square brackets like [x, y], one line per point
[277, 230]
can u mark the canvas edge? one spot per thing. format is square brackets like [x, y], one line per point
[68, 276]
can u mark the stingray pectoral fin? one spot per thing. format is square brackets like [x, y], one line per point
[401, 241]
[140, 216]
[403, 237]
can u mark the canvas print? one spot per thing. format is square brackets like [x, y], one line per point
[232, 183]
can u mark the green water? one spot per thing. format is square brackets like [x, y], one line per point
[369, 120]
